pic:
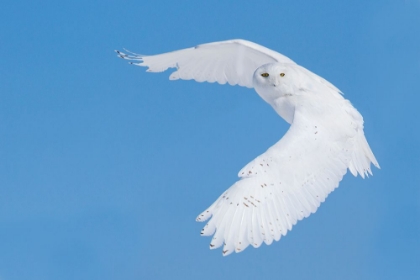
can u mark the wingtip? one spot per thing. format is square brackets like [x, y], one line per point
[121, 54]
[130, 56]
[226, 253]
[204, 216]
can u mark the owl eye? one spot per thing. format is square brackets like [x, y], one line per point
[282, 74]
[265, 75]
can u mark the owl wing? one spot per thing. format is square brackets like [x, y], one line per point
[232, 62]
[290, 180]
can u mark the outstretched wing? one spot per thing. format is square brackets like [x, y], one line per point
[232, 62]
[290, 180]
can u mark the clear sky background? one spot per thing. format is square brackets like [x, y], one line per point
[104, 167]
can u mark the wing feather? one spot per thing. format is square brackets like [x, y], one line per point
[232, 62]
[290, 180]
[256, 230]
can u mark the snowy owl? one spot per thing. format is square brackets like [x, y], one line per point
[290, 180]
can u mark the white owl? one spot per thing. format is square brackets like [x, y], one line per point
[290, 180]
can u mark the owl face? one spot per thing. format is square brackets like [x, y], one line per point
[270, 75]
[273, 81]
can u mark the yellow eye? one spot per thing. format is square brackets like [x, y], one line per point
[282, 74]
[265, 75]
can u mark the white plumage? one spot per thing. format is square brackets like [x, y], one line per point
[290, 180]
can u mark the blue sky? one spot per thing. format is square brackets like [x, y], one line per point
[103, 167]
